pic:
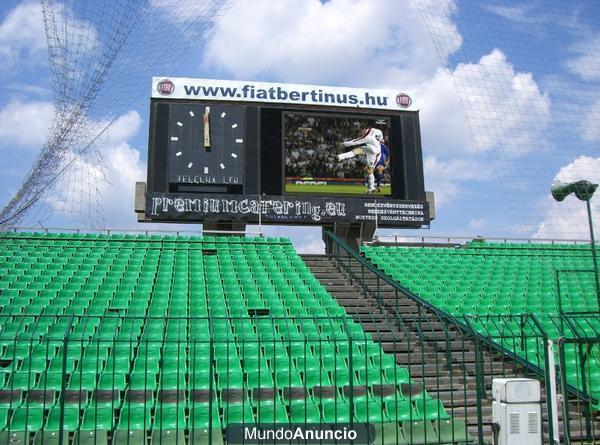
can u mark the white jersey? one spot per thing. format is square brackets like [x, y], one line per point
[371, 144]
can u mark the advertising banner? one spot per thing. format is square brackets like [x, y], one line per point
[285, 209]
[280, 93]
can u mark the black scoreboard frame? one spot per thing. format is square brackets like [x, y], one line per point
[264, 170]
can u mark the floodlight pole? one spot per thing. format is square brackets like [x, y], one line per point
[594, 259]
[584, 191]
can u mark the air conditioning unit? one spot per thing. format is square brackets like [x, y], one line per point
[516, 411]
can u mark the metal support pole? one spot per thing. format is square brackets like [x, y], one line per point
[564, 391]
[479, 383]
[63, 386]
[552, 392]
[560, 308]
[260, 215]
[594, 259]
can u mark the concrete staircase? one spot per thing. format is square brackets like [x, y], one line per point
[439, 356]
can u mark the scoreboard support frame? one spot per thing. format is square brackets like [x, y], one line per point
[352, 234]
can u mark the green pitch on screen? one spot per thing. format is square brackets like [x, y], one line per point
[335, 189]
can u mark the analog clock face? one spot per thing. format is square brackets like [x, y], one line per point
[206, 144]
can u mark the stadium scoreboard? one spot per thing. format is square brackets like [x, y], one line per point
[234, 151]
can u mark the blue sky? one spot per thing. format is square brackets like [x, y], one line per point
[508, 93]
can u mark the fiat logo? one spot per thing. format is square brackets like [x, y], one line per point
[165, 87]
[403, 100]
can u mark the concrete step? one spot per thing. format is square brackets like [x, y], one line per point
[422, 343]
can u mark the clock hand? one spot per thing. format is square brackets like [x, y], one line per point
[206, 119]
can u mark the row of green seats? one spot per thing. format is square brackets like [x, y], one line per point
[182, 275]
[499, 279]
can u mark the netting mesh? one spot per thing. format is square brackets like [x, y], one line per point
[102, 55]
[528, 77]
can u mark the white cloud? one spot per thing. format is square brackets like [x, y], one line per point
[568, 219]
[366, 42]
[527, 14]
[22, 35]
[444, 177]
[443, 125]
[310, 244]
[477, 223]
[590, 128]
[586, 62]
[306, 239]
[441, 12]
[124, 167]
[24, 42]
[504, 107]
[112, 179]
[319, 42]
[29, 90]
[122, 129]
[25, 124]
[185, 12]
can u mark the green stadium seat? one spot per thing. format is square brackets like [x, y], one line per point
[305, 412]
[134, 419]
[3, 418]
[238, 413]
[70, 420]
[112, 380]
[272, 413]
[208, 436]
[97, 419]
[431, 410]
[336, 411]
[27, 419]
[343, 376]
[400, 410]
[169, 424]
[288, 378]
[371, 376]
[201, 417]
[496, 279]
[140, 380]
[17, 350]
[260, 379]
[169, 417]
[421, 432]
[452, 431]
[152, 361]
[82, 381]
[316, 378]
[21, 381]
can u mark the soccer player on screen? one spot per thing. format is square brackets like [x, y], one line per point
[382, 164]
[369, 145]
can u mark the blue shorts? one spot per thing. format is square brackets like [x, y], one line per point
[381, 162]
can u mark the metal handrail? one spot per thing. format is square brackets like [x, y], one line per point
[452, 239]
[126, 230]
[461, 323]
[448, 238]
